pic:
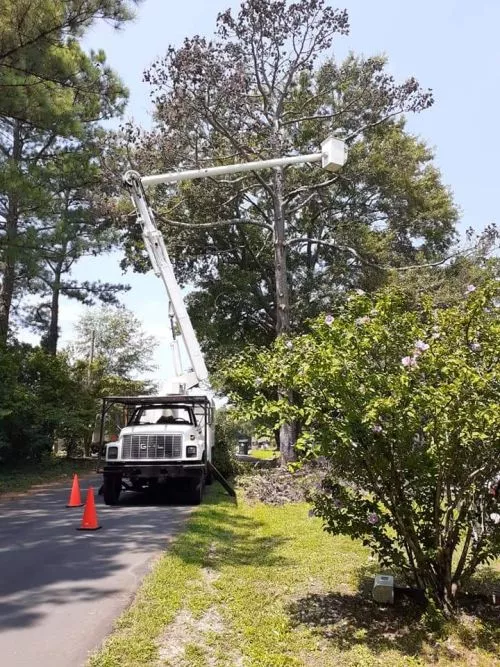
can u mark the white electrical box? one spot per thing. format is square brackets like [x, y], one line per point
[334, 154]
[383, 589]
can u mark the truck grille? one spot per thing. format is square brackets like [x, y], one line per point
[152, 446]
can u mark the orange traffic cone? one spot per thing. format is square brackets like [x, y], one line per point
[89, 519]
[75, 500]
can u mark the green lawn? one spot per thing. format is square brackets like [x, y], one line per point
[56, 468]
[263, 453]
[264, 586]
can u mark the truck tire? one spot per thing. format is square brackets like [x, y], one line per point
[196, 486]
[112, 488]
[137, 486]
[208, 477]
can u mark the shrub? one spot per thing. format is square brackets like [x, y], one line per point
[226, 442]
[404, 402]
[41, 400]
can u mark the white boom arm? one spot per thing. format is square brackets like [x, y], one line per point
[162, 266]
[333, 156]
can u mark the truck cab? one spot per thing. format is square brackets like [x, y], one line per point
[164, 437]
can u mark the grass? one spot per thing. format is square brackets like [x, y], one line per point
[56, 468]
[263, 453]
[263, 586]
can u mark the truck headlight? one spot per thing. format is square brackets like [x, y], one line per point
[112, 452]
[191, 450]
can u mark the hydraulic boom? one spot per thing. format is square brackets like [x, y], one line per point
[162, 266]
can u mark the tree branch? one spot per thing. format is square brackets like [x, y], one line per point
[317, 116]
[306, 201]
[368, 126]
[308, 188]
[265, 99]
[218, 223]
[366, 262]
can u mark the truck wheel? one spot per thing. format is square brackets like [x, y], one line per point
[196, 486]
[112, 489]
[208, 477]
[137, 486]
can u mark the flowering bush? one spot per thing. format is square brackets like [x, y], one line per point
[405, 405]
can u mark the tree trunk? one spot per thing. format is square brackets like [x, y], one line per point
[8, 264]
[87, 442]
[287, 431]
[280, 258]
[50, 341]
[8, 268]
[437, 581]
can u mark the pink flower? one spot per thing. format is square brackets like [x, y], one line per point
[409, 362]
[372, 518]
[470, 288]
[329, 319]
[420, 346]
[376, 428]
[475, 347]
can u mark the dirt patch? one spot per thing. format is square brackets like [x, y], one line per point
[187, 630]
[190, 634]
[209, 575]
[279, 486]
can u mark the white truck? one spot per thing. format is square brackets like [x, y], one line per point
[165, 437]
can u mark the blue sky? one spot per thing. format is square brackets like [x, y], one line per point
[451, 46]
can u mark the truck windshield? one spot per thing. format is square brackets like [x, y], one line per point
[166, 415]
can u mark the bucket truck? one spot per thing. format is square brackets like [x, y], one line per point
[172, 435]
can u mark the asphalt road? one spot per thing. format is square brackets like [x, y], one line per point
[61, 589]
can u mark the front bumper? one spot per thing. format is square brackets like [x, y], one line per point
[154, 469]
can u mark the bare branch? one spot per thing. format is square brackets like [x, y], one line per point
[218, 223]
[258, 208]
[308, 188]
[317, 116]
[336, 246]
[460, 253]
[368, 126]
[265, 99]
[306, 201]
[380, 267]
[223, 130]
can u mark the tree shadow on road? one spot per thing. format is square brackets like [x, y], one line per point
[45, 561]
